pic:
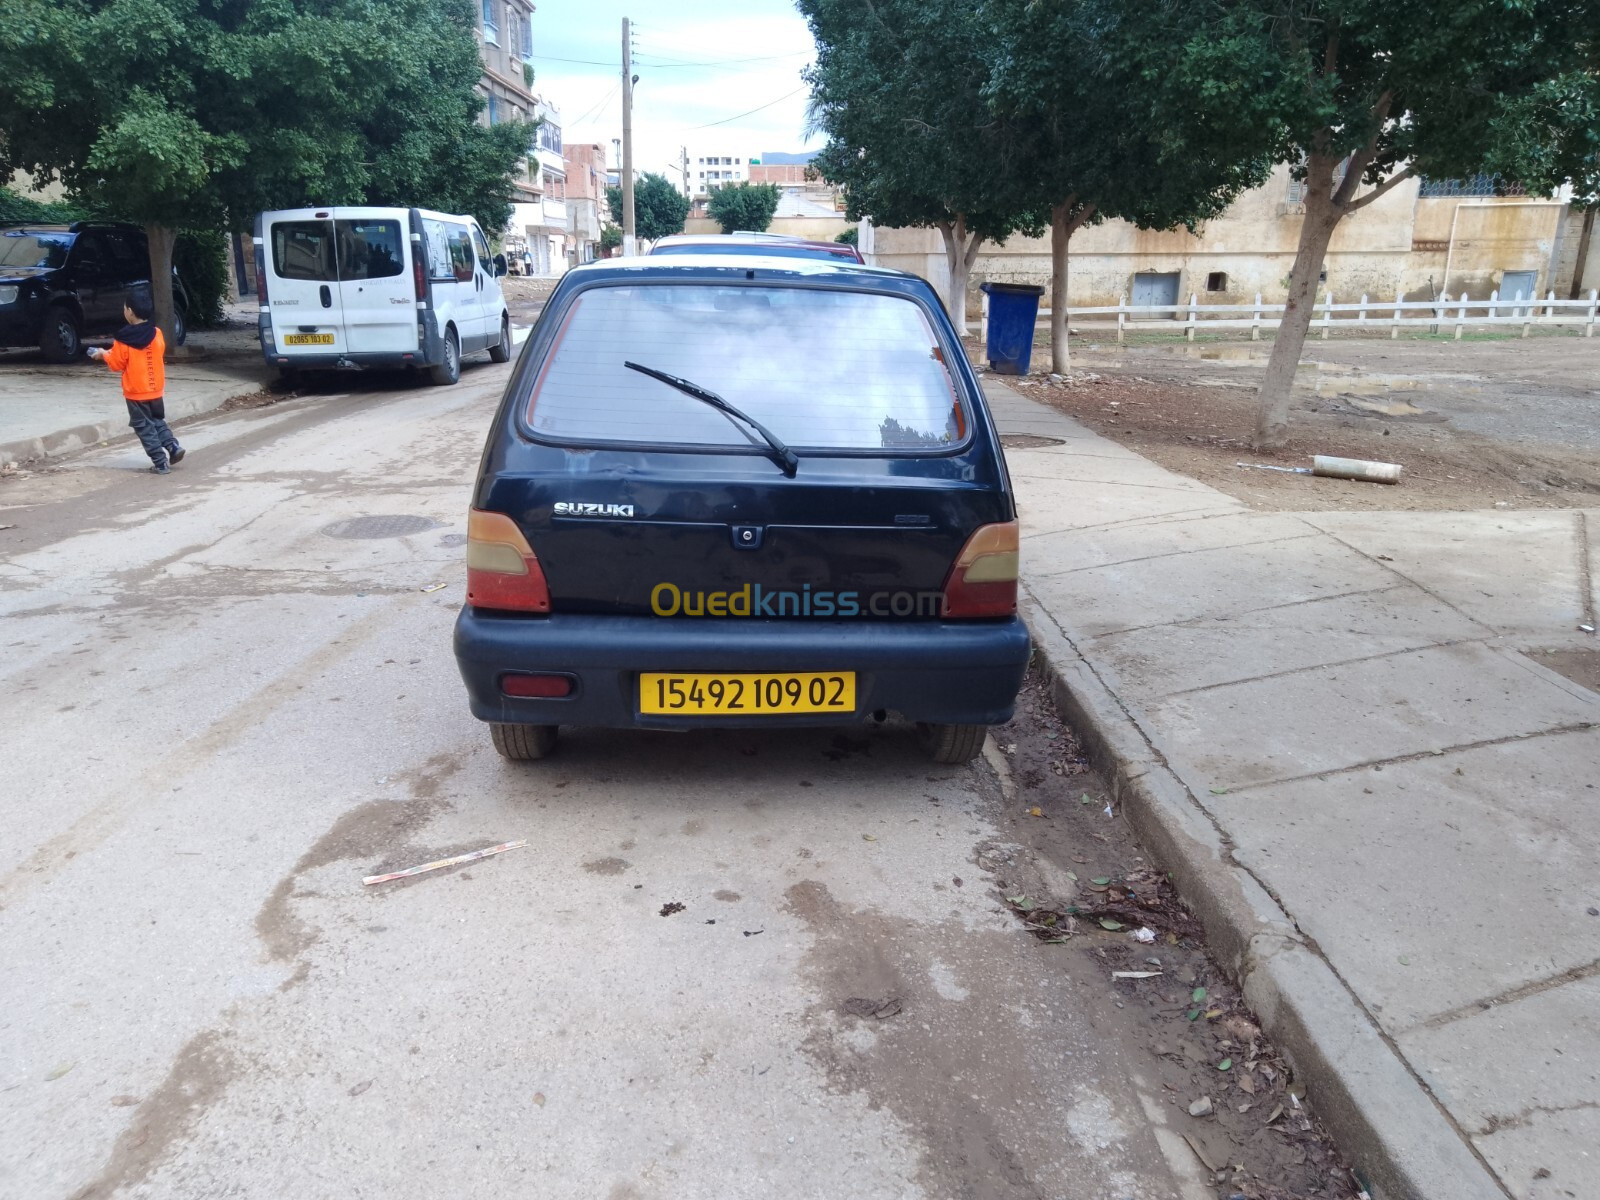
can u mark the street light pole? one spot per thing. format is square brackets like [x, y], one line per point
[627, 142]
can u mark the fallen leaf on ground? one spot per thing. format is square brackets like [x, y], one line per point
[361, 1087]
[1036, 812]
[1225, 1065]
[60, 1070]
[1198, 994]
[867, 837]
[1108, 923]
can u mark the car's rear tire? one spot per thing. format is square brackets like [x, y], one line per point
[952, 743]
[61, 337]
[449, 371]
[180, 326]
[501, 352]
[523, 743]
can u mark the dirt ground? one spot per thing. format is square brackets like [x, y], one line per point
[1493, 423]
[1083, 887]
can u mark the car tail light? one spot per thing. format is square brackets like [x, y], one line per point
[502, 571]
[983, 582]
[545, 687]
[261, 276]
[418, 283]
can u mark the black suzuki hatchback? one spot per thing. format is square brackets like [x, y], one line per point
[745, 491]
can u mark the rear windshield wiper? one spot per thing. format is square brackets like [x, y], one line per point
[788, 462]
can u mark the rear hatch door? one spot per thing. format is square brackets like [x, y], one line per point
[377, 295]
[638, 498]
[303, 295]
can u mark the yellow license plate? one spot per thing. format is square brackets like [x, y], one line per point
[747, 695]
[308, 339]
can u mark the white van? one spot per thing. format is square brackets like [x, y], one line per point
[382, 287]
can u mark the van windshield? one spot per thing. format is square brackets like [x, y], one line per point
[824, 369]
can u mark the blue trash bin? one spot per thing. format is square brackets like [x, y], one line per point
[1013, 312]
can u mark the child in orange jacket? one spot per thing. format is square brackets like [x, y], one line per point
[136, 354]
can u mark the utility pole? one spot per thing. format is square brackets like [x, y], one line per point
[627, 141]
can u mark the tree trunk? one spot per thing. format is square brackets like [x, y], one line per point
[1277, 388]
[1063, 224]
[1583, 255]
[161, 239]
[960, 250]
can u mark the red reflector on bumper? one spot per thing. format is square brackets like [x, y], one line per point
[541, 686]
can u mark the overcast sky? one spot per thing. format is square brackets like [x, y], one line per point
[677, 99]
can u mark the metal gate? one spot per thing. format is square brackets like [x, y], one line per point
[1152, 288]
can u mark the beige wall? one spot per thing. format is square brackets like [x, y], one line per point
[821, 229]
[1399, 243]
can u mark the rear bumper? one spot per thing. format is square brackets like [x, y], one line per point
[429, 353]
[943, 672]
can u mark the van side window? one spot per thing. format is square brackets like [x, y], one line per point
[304, 250]
[369, 249]
[461, 261]
[483, 248]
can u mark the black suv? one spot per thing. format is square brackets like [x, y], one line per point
[741, 491]
[60, 284]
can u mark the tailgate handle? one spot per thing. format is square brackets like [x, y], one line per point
[747, 537]
[327, 297]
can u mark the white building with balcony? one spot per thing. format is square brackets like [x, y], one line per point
[542, 218]
[710, 167]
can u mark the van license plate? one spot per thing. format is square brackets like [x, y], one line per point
[747, 695]
[308, 339]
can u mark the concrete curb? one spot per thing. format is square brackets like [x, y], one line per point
[1397, 1137]
[81, 437]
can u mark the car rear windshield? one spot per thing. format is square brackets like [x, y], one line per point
[824, 369]
[34, 249]
[327, 251]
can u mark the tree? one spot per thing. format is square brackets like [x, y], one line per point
[659, 209]
[610, 238]
[898, 86]
[213, 112]
[1361, 95]
[747, 206]
[850, 237]
[1085, 138]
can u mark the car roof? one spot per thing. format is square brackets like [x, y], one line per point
[733, 266]
[841, 249]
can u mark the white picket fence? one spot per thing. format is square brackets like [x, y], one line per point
[1441, 313]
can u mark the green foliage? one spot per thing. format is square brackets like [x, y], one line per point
[898, 86]
[176, 114]
[850, 237]
[746, 206]
[611, 236]
[1085, 134]
[659, 209]
[17, 208]
[1446, 88]
[201, 257]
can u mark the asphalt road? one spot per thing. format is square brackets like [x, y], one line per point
[219, 714]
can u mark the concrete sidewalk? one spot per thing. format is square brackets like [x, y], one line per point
[1337, 732]
[48, 410]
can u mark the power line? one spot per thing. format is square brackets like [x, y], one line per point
[736, 116]
[674, 63]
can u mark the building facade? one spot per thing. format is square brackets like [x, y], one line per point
[711, 166]
[587, 210]
[537, 232]
[1421, 240]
